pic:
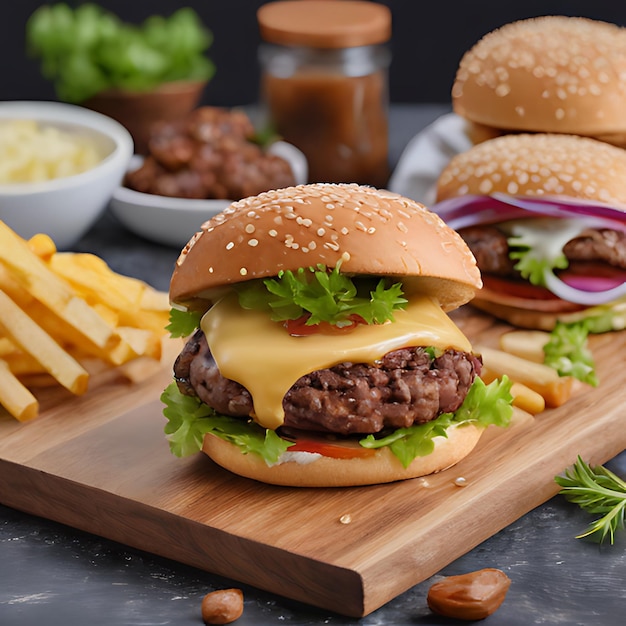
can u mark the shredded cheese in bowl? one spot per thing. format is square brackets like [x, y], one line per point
[33, 152]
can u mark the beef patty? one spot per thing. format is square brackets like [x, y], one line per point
[491, 249]
[405, 387]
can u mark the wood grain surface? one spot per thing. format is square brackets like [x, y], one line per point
[100, 463]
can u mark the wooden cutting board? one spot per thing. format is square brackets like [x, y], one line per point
[100, 463]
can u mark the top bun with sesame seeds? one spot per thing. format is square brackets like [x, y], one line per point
[371, 231]
[545, 216]
[552, 74]
[324, 356]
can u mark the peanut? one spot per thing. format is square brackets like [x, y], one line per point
[222, 607]
[470, 596]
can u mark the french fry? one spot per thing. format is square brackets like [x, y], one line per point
[527, 399]
[22, 363]
[32, 339]
[153, 300]
[15, 397]
[555, 389]
[44, 285]
[133, 301]
[42, 245]
[6, 347]
[93, 278]
[527, 344]
[66, 317]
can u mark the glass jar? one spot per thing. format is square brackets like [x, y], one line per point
[324, 84]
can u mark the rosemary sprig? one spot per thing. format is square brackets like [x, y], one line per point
[596, 490]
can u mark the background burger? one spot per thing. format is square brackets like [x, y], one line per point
[545, 217]
[552, 74]
[324, 355]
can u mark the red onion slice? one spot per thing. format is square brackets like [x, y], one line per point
[472, 210]
[588, 298]
[591, 283]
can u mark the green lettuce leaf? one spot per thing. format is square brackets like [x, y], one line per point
[322, 296]
[88, 49]
[568, 353]
[183, 323]
[537, 245]
[189, 420]
[483, 405]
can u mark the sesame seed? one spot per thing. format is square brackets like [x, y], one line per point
[272, 233]
[243, 271]
[253, 242]
[230, 245]
[250, 228]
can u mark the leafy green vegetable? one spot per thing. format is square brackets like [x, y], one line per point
[483, 405]
[568, 353]
[88, 50]
[597, 490]
[189, 420]
[183, 323]
[537, 248]
[606, 317]
[323, 296]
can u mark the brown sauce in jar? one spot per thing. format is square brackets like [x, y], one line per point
[339, 123]
[324, 85]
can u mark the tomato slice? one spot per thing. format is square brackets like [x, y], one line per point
[333, 450]
[517, 288]
[299, 327]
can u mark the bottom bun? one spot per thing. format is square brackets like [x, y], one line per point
[312, 470]
[528, 318]
[478, 133]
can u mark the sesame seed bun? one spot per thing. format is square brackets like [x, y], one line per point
[547, 74]
[538, 164]
[382, 467]
[371, 231]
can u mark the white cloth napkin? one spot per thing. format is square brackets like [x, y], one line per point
[426, 155]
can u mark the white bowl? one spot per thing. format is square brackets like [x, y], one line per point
[173, 221]
[65, 208]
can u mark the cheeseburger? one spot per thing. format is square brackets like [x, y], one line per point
[324, 355]
[545, 217]
[552, 74]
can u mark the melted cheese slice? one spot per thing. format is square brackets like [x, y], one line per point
[258, 353]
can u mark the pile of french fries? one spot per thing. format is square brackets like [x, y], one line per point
[65, 317]
[520, 356]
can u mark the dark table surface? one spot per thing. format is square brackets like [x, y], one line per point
[52, 575]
